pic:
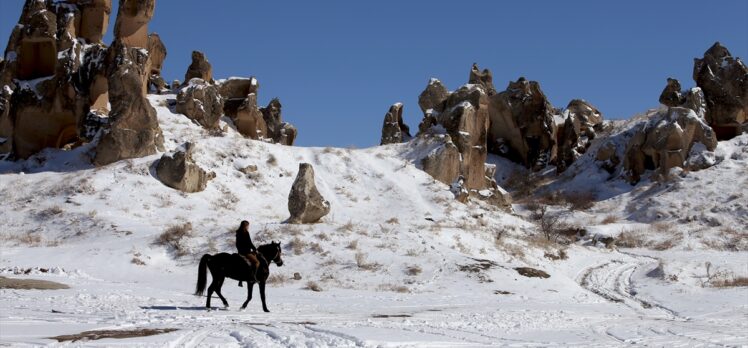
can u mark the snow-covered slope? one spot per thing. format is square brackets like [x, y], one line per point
[398, 260]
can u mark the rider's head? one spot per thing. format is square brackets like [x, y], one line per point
[244, 225]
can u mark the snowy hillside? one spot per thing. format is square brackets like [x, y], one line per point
[397, 262]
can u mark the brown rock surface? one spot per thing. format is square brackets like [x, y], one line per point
[433, 97]
[248, 119]
[665, 141]
[724, 81]
[671, 95]
[305, 203]
[201, 102]
[235, 91]
[443, 162]
[483, 78]
[394, 130]
[178, 171]
[199, 68]
[522, 126]
[131, 26]
[134, 130]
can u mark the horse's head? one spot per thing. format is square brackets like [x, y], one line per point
[272, 252]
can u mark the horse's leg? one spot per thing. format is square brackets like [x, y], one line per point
[262, 296]
[210, 293]
[218, 291]
[250, 286]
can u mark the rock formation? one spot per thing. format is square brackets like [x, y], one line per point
[133, 129]
[483, 78]
[724, 81]
[665, 141]
[48, 79]
[394, 130]
[200, 68]
[157, 54]
[581, 122]
[280, 132]
[671, 95]
[235, 91]
[131, 27]
[305, 203]
[201, 102]
[460, 155]
[248, 119]
[522, 125]
[178, 171]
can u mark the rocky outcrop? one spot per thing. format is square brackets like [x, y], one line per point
[248, 119]
[666, 141]
[131, 27]
[394, 130]
[235, 91]
[133, 130]
[459, 157]
[305, 203]
[671, 95]
[157, 54]
[483, 78]
[280, 132]
[199, 68]
[522, 125]
[443, 162]
[575, 134]
[49, 78]
[201, 102]
[178, 171]
[724, 81]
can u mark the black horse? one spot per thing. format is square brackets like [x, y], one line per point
[236, 267]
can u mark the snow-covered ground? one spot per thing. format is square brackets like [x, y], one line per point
[398, 261]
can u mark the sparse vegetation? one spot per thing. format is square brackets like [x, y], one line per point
[312, 285]
[174, 237]
[609, 219]
[297, 245]
[272, 161]
[579, 200]
[413, 270]
[549, 224]
[362, 263]
[277, 279]
[353, 245]
[393, 221]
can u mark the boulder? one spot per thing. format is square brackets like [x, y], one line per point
[433, 97]
[394, 130]
[522, 126]
[666, 141]
[156, 52]
[305, 203]
[199, 68]
[280, 132]
[133, 129]
[248, 119]
[131, 26]
[671, 95]
[607, 156]
[483, 78]
[443, 162]
[575, 134]
[178, 171]
[235, 91]
[201, 102]
[724, 81]
[94, 19]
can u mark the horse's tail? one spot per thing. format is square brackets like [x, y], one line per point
[202, 276]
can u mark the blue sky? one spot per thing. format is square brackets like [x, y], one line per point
[337, 66]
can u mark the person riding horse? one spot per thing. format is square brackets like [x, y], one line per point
[247, 250]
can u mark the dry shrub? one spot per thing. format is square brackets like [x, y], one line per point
[730, 282]
[297, 245]
[50, 212]
[174, 237]
[276, 279]
[548, 223]
[412, 253]
[312, 285]
[662, 226]
[137, 261]
[30, 239]
[413, 270]
[362, 263]
[609, 219]
[353, 245]
[316, 248]
[348, 227]
[323, 236]
[579, 200]
[272, 161]
[522, 183]
[631, 239]
[512, 249]
[393, 221]
[393, 288]
[559, 255]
